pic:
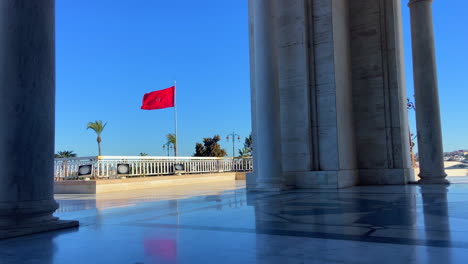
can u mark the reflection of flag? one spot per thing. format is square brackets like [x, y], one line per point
[165, 249]
[159, 99]
[161, 245]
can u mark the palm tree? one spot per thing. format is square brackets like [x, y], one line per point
[98, 127]
[172, 140]
[247, 150]
[143, 154]
[65, 154]
[244, 153]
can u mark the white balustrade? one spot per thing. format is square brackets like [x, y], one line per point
[106, 166]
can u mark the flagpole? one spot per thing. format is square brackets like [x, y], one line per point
[175, 118]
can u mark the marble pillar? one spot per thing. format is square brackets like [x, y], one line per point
[339, 69]
[27, 118]
[428, 123]
[251, 177]
[293, 42]
[379, 92]
[268, 171]
[301, 49]
[329, 87]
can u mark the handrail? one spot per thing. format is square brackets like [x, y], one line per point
[160, 157]
[105, 167]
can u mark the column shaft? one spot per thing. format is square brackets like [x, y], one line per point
[379, 92]
[268, 136]
[27, 116]
[426, 92]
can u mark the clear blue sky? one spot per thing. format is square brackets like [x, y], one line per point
[109, 53]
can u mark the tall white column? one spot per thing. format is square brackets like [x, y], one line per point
[268, 153]
[426, 92]
[27, 117]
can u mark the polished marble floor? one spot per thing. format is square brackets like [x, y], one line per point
[222, 223]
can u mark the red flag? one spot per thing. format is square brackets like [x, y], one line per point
[159, 99]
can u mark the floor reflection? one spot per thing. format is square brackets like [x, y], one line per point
[389, 216]
[226, 224]
[376, 217]
[436, 221]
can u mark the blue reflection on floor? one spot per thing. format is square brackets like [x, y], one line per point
[222, 223]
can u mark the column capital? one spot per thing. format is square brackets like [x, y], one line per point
[412, 2]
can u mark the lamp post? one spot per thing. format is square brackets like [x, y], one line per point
[168, 146]
[410, 106]
[233, 136]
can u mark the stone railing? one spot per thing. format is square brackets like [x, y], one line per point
[104, 167]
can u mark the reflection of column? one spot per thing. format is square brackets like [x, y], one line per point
[27, 110]
[264, 211]
[43, 248]
[436, 221]
[431, 161]
[267, 135]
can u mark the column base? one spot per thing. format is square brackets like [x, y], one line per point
[325, 179]
[16, 231]
[30, 217]
[433, 180]
[396, 176]
[270, 187]
[258, 186]
[251, 180]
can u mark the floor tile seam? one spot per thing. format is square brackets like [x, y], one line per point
[387, 193]
[145, 211]
[95, 208]
[371, 228]
[162, 200]
[155, 202]
[175, 213]
[271, 199]
[374, 227]
[320, 235]
[204, 193]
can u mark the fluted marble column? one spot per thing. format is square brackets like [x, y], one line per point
[426, 92]
[267, 99]
[27, 117]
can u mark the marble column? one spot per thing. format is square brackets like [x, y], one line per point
[426, 92]
[27, 118]
[379, 92]
[268, 172]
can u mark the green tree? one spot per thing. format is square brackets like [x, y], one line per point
[143, 154]
[65, 154]
[98, 127]
[172, 140]
[247, 150]
[209, 148]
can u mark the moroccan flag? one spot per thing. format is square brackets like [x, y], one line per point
[159, 99]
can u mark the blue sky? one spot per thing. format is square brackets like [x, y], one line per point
[109, 53]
